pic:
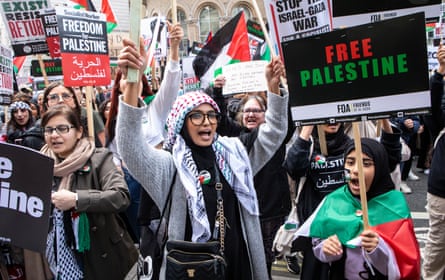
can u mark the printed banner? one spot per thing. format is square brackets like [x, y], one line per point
[290, 20]
[154, 30]
[346, 13]
[25, 196]
[22, 20]
[189, 80]
[53, 67]
[84, 47]
[245, 77]
[359, 72]
[6, 75]
[49, 20]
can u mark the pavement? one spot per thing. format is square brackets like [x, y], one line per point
[416, 201]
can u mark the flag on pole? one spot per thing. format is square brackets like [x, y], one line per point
[340, 213]
[229, 45]
[18, 63]
[84, 4]
[111, 20]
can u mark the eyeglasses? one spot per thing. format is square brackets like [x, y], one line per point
[197, 118]
[56, 97]
[253, 111]
[60, 129]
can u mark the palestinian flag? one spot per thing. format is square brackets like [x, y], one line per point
[18, 63]
[340, 213]
[84, 4]
[111, 20]
[228, 45]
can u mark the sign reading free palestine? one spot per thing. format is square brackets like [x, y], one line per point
[370, 71]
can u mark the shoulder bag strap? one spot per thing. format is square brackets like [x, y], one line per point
[167, 203]
[220, 220]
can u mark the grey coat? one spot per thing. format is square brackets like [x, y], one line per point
[155, 169]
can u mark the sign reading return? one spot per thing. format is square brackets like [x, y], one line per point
[26, 178]
[84, 47]
[370, 71]
[22, 19]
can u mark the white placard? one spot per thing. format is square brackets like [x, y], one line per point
[245, 77]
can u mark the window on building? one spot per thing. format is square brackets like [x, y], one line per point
[241, 7]
[208, 21]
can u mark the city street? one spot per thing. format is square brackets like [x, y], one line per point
[416, 201]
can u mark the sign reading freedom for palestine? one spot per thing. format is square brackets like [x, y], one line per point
[84, 47]
[371, 71]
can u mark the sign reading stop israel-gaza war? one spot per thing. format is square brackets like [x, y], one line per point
[294, 19]
[84, 47]
[370, 71]
[22, 20]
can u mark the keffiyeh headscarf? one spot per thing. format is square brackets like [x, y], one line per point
[19, 105]
[182, 106]
[232, 160]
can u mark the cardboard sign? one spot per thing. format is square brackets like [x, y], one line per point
[26, 178]
[24, 26]
[84, 47]
[359, 72]
[6, 75]
[245, 77]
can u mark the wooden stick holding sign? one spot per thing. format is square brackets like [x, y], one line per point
[135, 30]
[361, 175]
[89, 106]
[322, 139]
[42, 68]
[174, 12]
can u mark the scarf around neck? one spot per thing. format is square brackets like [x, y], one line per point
[76, 160]
[233, 162]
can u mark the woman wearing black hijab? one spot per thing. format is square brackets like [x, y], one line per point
[388, 248]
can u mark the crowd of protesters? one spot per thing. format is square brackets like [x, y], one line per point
[146, 143]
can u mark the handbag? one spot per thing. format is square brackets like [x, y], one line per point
[200, 260]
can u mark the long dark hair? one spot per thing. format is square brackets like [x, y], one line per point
[110, 124]
[12, 123]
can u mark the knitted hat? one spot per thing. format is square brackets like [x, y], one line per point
[182, 106]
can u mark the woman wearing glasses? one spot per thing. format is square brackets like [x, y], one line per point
[86, 236]
[271, 182]
[192, 148]
[57, 93]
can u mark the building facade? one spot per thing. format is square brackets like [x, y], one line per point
[198, 17]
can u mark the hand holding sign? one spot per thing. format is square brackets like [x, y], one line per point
[132, 57]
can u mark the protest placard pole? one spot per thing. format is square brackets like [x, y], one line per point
[89, 106]
[42, 67]
[378, 128]
[361, 175]
[322, 139]
[174, 12]
[135, 29]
